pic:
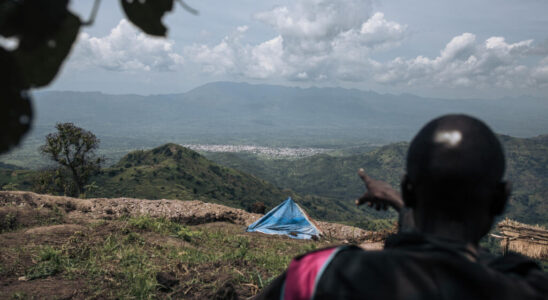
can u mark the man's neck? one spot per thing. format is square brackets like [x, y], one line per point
[447, 229]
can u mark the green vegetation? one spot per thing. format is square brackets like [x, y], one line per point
[325, 185]
[326, 175]
[50, 262]
[8, 222]
[335, 177]
[13, 179]
[527, 170]
[73, 150]
[163, 226]
[13, 218]
[174, 172]
[128, 258]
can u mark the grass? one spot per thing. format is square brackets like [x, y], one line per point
[8, 222]
[122, 258]
[239, 180]
[51, 262]
[162, 226]
[14, 218]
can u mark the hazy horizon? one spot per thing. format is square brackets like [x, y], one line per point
[447, 49]
[290, 86]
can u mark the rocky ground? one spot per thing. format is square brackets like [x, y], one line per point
[184, 212]
[61, 248]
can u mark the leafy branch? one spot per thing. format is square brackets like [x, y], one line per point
[46, 32]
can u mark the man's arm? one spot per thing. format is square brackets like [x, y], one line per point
[379, 194]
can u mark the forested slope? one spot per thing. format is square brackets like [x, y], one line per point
[336, 176]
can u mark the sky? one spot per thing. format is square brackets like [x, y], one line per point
[434, 48]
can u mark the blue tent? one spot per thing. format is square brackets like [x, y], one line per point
[287, 218]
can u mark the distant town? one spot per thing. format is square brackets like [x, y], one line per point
[259, 150]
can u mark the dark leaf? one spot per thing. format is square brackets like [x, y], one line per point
[9, 14]
[40, 60]
[15, 107]
[147, 14]
[33, 19]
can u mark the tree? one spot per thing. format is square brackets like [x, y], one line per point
[73, 149]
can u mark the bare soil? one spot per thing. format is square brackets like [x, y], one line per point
[29, 222]
[184, 212]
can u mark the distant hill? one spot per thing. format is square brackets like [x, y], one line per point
[228, 112]
[527, 170]
[324, 184]
[174, 172]
[268, 115]
[336, 176]
[323, 174]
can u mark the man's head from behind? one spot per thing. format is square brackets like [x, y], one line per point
[455, 166]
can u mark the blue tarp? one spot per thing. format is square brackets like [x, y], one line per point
[286, 218]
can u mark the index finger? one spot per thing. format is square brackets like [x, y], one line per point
[364, 177]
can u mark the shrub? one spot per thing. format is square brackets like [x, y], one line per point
[258, 208]
[163, 226]
[8, 221]
[51, 262]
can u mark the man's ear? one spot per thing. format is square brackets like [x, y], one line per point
[408, 192]
[502, 194]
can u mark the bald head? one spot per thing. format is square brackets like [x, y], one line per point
[455, 166]
[455, 148]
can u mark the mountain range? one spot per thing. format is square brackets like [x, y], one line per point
[267, 115]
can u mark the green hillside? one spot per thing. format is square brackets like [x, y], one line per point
[16, 179]
[330, 176]
[336, 176]
[527, 170]
[324, 184]
[174, 172]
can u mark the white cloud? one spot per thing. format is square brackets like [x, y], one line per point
[317, 19]
[317, 40]
[464, 63]
[126, 49]
[337, 40]
[539, 74]
[327, 40]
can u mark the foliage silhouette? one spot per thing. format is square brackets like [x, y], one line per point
[15, 107]
[147, 15]
[45, 32]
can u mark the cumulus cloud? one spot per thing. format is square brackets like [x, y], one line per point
[539, 74]
[126, 49]
[327, 40]
[316, 40]
[464, 62]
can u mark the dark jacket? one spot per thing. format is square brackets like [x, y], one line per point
[413, 266]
